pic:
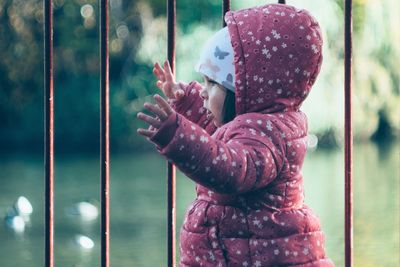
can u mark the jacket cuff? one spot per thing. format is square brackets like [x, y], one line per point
[166, 132]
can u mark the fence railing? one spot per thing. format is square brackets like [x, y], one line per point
[348, 135]
[171, 171]
[104, 136]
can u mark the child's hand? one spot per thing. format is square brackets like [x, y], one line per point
[161, 110]
[166, 81]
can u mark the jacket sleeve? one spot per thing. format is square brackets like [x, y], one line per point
[244, 163]
[191, 106]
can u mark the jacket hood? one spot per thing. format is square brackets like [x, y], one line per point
[277, 57]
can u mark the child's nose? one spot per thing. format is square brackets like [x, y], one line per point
[203, 94]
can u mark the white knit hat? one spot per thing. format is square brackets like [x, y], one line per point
[216, 60]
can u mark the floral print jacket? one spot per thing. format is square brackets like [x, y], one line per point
[249, 209]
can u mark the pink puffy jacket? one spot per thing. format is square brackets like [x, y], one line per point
[249, 209]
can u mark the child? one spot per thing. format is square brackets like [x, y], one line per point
[242, 139]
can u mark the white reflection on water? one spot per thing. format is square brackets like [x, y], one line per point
[83, 210]
[84, 242]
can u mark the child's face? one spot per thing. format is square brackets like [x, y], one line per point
[213, 95]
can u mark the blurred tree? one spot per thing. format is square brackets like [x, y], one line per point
[138, 39]
[20, 50]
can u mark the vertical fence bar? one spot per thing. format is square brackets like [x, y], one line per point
[104, 135]
[171, 170]
[49, 131]
[282, 2]
[348, 26]
[226, 6]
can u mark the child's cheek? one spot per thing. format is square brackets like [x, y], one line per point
[205, 104]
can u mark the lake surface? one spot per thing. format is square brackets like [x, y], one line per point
[138, 207]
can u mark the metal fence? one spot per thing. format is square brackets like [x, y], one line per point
[104, 133]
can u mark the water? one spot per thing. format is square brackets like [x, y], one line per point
[138, 207]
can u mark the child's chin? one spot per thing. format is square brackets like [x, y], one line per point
[217, 123]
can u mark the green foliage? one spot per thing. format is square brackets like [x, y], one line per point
[138, 39]
[376, 79]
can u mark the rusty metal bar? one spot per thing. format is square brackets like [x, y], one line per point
[348, 133]
[104, 135]
[171, 170]
[226, 6]
[282, 2]
[49, 131]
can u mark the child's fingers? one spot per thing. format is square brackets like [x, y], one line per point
[156, 110]
[166, 79]
[167, 90]
[158, 68]
[160, 85]
[163, 104]
[179, 94]
[145, 132]
[150, 120]
[168, 72]
[159, 72]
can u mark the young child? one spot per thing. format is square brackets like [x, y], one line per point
[242, 138]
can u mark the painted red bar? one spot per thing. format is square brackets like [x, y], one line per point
[104, 135]
[49, 131]
[226, 6]
[348, 234]
[171, 170]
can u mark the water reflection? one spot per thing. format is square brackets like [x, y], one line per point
[84, 210]
[15, 223]
[138, 207]
[83, 242]
[18, 215]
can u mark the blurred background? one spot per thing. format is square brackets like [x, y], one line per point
[138, 173]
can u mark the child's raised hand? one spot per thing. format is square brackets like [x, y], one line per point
[161, 111]
[166, 81]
